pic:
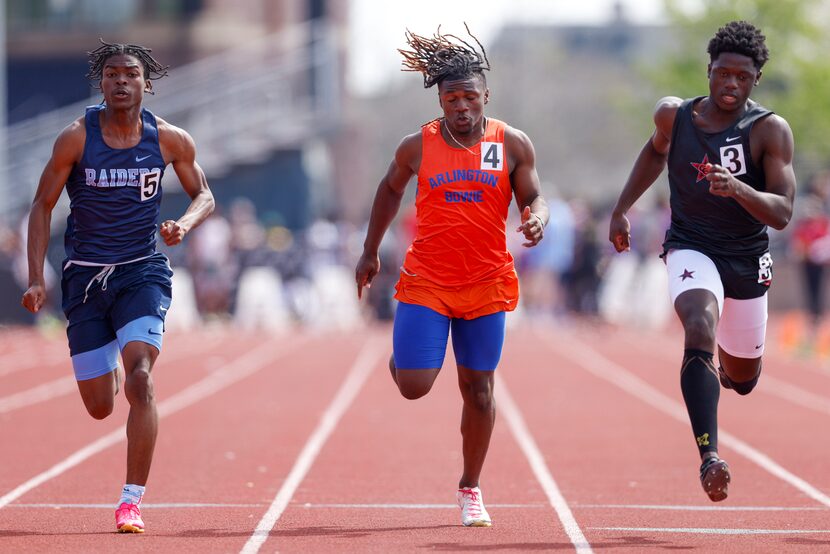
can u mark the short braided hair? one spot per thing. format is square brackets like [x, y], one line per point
[439, 58]
[98, 58]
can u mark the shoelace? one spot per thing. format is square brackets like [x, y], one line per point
[473, 504]
[133, 509]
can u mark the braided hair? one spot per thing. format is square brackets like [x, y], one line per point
[740, 37]
[98, 58]
[439, 58]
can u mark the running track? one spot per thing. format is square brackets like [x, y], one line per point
[299, 442]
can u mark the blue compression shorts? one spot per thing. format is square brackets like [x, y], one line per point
[420, 335]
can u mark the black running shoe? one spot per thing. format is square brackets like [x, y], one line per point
[715, 477]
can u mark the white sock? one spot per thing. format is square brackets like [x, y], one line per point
[131, 494]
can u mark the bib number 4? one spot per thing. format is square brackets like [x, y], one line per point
[492, 156]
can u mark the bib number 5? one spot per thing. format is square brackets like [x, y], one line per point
[149, 184]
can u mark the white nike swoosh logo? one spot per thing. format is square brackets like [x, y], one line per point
[141, 159]
[730, 139]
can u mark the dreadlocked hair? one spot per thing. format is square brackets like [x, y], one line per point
[97, 58]
[439, 58]
[740, 37]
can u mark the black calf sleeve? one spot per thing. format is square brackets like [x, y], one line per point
[701, 392]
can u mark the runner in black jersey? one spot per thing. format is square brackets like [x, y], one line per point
[730, 176]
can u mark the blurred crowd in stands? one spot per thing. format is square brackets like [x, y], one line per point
[235, 268]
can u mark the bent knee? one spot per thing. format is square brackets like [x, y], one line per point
[481, 401]
[414, 393]
[699, 330]
[138, 387]
[415, 383]
[99, 410]
[745, 387]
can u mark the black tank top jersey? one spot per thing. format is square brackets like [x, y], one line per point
[703, 221]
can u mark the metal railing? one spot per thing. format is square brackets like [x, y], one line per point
[239, 106]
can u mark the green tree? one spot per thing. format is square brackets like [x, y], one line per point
[796, 80]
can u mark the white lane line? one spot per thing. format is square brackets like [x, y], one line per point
[582, 355]
[540, 469]
[309, 505]
[38, 394]
[688, 508]
[714, 531]
[27, 359]
[237, 370]
[65, 385]
[111, 505]
[771, 385]
[366, 361]
[795, 395]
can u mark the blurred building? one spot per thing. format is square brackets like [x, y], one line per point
[256, 82]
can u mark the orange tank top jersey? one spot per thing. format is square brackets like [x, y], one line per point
[458, 263]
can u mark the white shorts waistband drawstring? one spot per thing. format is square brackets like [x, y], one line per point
[100, 277]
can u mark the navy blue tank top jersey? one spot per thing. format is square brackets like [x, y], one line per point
[703, 221]
[114, 196]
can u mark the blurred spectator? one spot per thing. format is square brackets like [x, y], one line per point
[582, 280]
[635, 286]
[811, 245]
[14, 276]
[247, 233]
[542, 267]
[212, 264]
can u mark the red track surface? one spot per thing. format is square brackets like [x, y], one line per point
[300, 443]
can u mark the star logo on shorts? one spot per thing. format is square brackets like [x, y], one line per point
[687, 274]
[702, 169]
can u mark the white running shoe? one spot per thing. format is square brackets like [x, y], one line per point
[473, 513]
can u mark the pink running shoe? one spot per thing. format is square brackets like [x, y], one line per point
[473, 513]
[128, 518]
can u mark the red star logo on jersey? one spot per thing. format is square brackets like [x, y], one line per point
[702, 168]
[687, 275]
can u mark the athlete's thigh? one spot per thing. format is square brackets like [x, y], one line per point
[92, 342]
[140, 306]
[742, 328]
[691, 270]
[478, 342]
[419, 337]
[94, 352]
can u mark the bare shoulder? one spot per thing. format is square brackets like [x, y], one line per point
[517, 141]
[665, 111]
[410, 141]
[773, 126]
[409, 150]
[175, 142]
[70, 141]
[774, 136]
[170, 134]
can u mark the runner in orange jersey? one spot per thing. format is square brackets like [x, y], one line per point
[457, 275]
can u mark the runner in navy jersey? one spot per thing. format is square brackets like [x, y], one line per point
[116, 287]
[730, 177]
